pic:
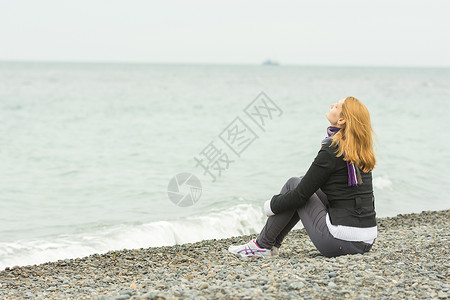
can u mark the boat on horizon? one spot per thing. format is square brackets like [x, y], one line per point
[270, 62]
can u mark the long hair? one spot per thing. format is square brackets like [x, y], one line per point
[354, 140]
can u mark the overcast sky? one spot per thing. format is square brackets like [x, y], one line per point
[315, 32]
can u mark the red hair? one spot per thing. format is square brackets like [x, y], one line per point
[355, 137]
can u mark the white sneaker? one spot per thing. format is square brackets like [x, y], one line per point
[250, 249]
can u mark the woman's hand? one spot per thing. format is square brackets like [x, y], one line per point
[267, 209]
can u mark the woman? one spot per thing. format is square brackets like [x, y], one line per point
[334, 200]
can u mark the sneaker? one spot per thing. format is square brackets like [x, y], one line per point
[250, 249]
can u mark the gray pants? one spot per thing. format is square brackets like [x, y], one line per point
[312, 215]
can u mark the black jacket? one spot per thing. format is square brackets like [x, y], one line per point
[347, 205]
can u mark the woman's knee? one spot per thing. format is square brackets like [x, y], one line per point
[294, 181]
[290, 184]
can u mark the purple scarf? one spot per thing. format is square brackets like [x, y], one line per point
[354, 176]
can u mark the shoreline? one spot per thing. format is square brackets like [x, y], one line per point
[410, 259]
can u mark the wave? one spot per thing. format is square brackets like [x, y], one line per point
[237, 220]
[382, 182]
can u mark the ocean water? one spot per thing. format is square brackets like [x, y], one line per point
[88, 150]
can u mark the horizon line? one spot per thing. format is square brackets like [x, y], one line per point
[220, 64]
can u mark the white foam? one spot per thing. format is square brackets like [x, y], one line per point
[238, 220]
[382, 182]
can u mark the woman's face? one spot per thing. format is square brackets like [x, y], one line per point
[334, 115]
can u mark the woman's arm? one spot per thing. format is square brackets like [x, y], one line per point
[315, 177]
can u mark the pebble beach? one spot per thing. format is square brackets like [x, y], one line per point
[409, 260]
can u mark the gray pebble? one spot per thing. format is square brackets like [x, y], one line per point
[126, 292]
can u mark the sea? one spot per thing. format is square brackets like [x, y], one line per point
[97, 157]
